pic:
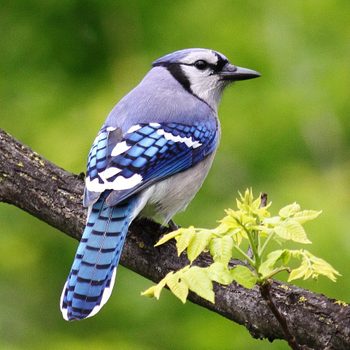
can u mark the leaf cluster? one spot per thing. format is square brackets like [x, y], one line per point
[251, 223]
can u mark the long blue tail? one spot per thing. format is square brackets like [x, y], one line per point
[91, 279]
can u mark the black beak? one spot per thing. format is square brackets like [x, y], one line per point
[233, 73]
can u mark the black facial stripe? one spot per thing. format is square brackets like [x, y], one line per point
[177, 72]
[220, 63]
[214, 67]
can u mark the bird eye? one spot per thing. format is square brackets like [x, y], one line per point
[201, 65]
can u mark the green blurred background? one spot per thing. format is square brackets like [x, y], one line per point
[64, 64]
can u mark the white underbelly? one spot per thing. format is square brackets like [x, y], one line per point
[164, 199]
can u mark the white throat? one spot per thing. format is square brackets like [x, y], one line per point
[207, 87]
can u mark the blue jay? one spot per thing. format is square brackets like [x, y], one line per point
[150, 158]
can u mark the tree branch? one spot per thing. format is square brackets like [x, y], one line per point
[53, 195]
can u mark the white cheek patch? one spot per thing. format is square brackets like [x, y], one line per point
[206, 55]
[119, 148]
[118, 184]
[205, 86]
[186, 140]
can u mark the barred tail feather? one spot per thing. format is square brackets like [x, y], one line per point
[91, 279]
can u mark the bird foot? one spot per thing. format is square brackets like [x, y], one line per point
[173, 226]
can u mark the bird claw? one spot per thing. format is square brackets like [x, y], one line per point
[173, 226]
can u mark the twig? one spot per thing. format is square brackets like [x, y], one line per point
[265, 288]
[263, 199]
[265, 293]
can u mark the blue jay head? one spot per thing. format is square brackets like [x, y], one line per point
[203, 72]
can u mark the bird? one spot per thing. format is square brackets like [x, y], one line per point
[149, 159]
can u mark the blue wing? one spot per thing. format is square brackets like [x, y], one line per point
[145, 154]
[120, 165]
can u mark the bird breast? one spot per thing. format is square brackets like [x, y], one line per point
[164, 199]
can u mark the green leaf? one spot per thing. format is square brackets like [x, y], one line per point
[306, 215]
[299, 272]
[272, 257]
[244, 276]
[228, 222]
[198, 281]
[155, 291]
[169, 236]
[272, 221]
[221, 249]
[230, 227]
[268, 265]
[222, 229]
[219, 273]
[198, 243]
[184, 239]
[292, 230]
[289, 210]
[285, 257]
[322, 267]
[149, 292]
[177, 286]
[311, 266]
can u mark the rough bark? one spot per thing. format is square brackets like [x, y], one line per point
[54, 195]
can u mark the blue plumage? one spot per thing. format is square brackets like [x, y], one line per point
[96, 259]
[151, 156]
[149, 152]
